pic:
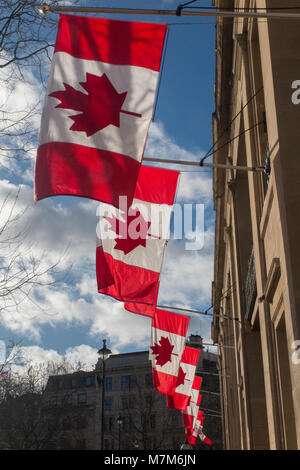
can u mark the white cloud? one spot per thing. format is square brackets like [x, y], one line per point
[37, 357]
[66, 227]
[161, 145]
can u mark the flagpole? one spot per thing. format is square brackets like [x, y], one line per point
[216, 345]
[44, 8]
[197, 311]
[209, 165]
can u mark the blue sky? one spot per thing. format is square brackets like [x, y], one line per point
[71, 319]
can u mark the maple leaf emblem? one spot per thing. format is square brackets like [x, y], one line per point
[163, 350]
[126, 242]
[181, 377]
[99, 107]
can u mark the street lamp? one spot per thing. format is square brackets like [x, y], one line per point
[104, 354]
[136, 444]
[120, 422]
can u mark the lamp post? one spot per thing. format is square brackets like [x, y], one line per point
[136, 444]
[120, 422]
[104, 354]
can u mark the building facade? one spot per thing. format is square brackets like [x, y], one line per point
[135, 414]
[256, 288]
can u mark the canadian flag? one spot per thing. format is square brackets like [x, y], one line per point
[98, 107]
[131, 243]
[168, 334]
[183, 391]
[192, 434]
[191, 412]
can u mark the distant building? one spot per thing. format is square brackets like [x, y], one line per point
[256, 289]
[135, 414]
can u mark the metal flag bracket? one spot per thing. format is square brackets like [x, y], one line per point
[209, 165]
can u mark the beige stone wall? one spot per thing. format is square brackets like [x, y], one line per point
[251, 215]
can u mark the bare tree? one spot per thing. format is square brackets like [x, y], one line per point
[28, 421]
[26, 45]
[147, 423]
[21, 270]
[24, 33]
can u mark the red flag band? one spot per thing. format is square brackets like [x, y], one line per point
[148, 310]
[131, 243]
[98, 108]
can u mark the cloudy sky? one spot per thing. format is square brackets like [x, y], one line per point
[68, 317]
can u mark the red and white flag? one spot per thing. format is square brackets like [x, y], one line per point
[98, 108]
[131, 243]
[168, 334]
[183, 391]
[190, 414]
[192, 434]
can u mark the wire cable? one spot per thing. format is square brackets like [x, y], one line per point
[228, 127]
[231, 140]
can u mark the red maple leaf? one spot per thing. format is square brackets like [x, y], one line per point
[125, 242]
[181, 377]
[99, 108]
[163, 350]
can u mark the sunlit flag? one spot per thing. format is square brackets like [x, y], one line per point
[98, 107]
[131, 242]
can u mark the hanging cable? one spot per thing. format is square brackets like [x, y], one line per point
[180, 7]
[222, 295]
[228, 128]
[231, 140]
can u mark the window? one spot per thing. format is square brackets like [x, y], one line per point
[149, 401]
[51, 446]
[128, 382]
[53, 401]
[67, 399]
[109, 423]
[128, 402]
[108, 384]
[174, 419]
[152, 421]
[127, 423]
[65, 444]
[89, 381]
[148, 380]
[66, 423]
[74, 382]
[81, 422]
[108, 404]
[60, 382]
[81, 398]
[80, 444]
[108, 445]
